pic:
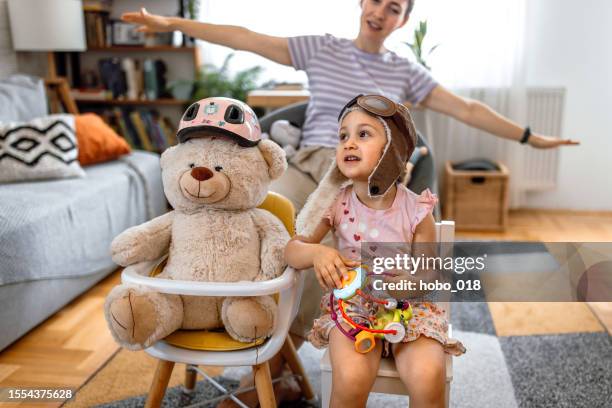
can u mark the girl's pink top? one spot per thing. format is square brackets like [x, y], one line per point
[354, 223]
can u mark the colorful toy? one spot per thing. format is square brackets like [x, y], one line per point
[389, 322]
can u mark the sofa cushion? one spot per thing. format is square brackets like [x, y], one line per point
[22, 98]
[98, 142]
[43, 148]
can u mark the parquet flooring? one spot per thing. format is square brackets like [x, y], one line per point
[65, 350]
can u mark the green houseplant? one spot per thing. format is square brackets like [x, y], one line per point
[216, 81]
[417, 45]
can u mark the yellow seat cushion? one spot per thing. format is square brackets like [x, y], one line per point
[208, 340]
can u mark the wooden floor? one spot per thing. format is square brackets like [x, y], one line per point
[552, 226]
[67, 349]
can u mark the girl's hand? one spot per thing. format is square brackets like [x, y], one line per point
[330, 266]
[547, 142]
[149, 23]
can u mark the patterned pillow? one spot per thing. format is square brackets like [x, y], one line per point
[43, 148]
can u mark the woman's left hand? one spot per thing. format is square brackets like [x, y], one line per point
[547, 142]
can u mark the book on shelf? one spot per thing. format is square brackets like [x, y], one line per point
[97, 5]
[168, 130]
[131, 79]
[122, 128]
[144, 129]
[92, 94]
[141, 131]
[153, 132]
[112, 76]
[96, 26]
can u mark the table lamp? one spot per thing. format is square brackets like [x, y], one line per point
[48, 25]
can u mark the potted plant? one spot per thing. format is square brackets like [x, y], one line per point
[417, 45]
[213, 81]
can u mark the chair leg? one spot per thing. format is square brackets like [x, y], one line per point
[190, 379]
[292, 359]
[447, 394]
[263, 384]
[326, 382]
[159, 384]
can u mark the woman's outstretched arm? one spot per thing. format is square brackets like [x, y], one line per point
[479, 115]
[237, 38]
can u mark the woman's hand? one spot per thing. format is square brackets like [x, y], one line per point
[547, 142]
[330, 266]
[149, 23]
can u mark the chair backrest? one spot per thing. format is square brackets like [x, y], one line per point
[282, 208]
[295, 113]
[445, 236]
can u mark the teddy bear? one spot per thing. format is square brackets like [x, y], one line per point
[214, 179]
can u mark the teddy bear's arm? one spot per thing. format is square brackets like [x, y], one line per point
[144, 242]
[273, 237]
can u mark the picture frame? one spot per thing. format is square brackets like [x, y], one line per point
[126, 34]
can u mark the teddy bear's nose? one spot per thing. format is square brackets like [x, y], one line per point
[201, 173]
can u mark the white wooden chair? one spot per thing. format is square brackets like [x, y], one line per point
[387, 380]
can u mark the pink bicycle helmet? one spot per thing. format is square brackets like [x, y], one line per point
[219, 115]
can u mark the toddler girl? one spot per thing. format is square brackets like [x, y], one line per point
[361, 200]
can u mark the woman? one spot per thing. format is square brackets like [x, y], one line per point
[338, 69]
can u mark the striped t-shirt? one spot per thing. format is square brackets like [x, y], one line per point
[338, 71]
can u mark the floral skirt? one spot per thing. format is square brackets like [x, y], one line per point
[428, 319]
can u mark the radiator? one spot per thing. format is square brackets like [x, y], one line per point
[545, 115]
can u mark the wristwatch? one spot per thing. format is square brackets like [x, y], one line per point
[526, 135]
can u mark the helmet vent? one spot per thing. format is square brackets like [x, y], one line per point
[234, 115]
[192, 111]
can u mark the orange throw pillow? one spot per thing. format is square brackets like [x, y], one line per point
[97, 142]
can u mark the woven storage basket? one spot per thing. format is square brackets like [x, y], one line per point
[476, 200]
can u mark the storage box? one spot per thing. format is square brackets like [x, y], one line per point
[476, 200]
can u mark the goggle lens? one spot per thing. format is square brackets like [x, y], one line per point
[376, 104]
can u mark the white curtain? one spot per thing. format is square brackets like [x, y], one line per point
[480, 56]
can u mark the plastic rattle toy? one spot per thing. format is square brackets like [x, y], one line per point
[389, 322]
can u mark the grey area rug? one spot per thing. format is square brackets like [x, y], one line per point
[568, 370]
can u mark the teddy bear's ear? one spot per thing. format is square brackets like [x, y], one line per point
[274, 155]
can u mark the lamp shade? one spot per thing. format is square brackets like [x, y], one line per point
[47, 25]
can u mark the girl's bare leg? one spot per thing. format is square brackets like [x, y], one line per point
[421, 365]
[353, 373]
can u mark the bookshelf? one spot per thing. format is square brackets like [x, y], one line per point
[133, 102]
[104, 83]
[129, 48]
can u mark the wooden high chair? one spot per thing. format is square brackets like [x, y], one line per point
[202, 347]
[387, 379]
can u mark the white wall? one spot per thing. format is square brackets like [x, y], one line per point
[569, 44]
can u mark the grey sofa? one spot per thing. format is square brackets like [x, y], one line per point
[423, 175]
[55, 235]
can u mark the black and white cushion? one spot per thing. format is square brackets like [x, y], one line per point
[43, 148]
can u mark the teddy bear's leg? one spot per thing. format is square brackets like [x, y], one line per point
[138, 317]
[249, 319]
